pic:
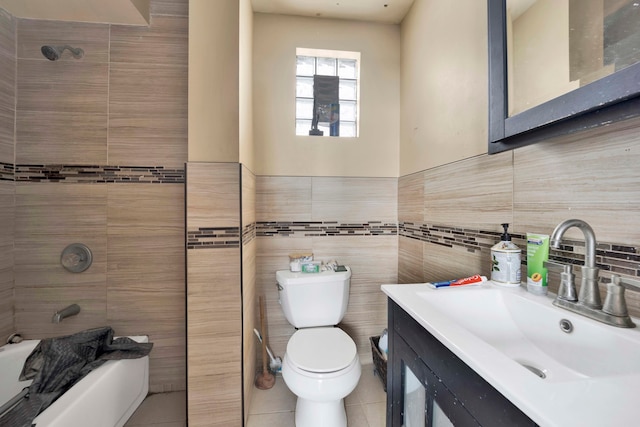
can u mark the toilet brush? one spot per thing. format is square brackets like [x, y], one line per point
[264, 379]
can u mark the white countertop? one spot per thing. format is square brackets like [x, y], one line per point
[606, 401]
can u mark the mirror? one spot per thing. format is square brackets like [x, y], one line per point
[560, 66]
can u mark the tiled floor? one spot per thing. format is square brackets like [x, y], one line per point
[273, 407]
[161, 410]
[366, 406]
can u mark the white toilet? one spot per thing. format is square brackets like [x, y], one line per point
[321, 364]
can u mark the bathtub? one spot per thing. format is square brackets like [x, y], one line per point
[106, 397]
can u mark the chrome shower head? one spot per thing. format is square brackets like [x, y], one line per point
[53, 53]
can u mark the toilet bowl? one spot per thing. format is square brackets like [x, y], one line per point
[321, 366]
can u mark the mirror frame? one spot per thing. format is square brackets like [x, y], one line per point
[610, 99]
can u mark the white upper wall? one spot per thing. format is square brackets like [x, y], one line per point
[444, 83]
[246, 149]
[214, 80]
[278, 151]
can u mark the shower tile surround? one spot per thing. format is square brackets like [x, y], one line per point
[83, 128]
[7, 186]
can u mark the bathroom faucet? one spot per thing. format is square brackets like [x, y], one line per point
[588, 302]
[589, 291]
[69, 311]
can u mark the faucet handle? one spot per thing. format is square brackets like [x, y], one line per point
[615, 303]
[627, 283]
[567, 289]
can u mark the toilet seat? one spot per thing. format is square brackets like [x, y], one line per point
[321, 350]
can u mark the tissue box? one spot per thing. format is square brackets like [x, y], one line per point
[379, 362]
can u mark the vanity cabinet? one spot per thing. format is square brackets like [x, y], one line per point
[429, 386]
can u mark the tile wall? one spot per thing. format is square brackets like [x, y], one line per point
[214, 295]
[7, 186]
[450, 216]
[351, 220]
[250, 316]
[99, 159]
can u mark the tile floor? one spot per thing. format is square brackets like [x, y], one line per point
[161, 410]
[366, 406]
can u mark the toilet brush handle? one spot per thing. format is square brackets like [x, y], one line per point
[263, 332]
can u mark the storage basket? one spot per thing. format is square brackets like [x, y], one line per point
[379, 362]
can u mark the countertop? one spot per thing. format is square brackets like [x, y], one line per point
[603, 401]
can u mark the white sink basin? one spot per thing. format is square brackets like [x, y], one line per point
[528, 331]
[513, 339]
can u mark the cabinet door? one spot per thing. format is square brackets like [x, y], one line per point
[425, 399]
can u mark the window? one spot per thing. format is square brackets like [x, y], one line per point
[327, 92]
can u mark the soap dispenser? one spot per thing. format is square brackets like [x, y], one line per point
[505, 261]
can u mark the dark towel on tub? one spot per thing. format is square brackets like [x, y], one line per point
[56, 364]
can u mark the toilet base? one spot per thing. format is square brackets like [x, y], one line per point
[311, 413]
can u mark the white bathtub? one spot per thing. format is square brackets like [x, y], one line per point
[106, 397]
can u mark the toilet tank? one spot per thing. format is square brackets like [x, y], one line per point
[314, 299]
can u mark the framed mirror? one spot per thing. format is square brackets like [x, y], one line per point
[559, 67]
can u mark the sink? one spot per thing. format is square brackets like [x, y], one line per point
[515, 341]
[528, 331]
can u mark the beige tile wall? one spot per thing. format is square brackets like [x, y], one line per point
[62, 105]
[146, 273]
[123, 103]
[214, 299]
[249, 299]
[7, 188]
[373, 259]
[7, 86]
[594, 176]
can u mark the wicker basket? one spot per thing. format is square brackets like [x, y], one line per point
[379, 362]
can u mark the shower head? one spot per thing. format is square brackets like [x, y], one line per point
[53, 53]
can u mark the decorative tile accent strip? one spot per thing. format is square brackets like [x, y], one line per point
[248, 233]
[213, 238]
[99, 174]
[325, 228]
[610, 257]
[7, 172]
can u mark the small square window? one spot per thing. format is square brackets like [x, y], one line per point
[326, 67]
[305, 66]
[304, 87]
[304, 108]
[339, 96]
[348, 89]
[347, 68]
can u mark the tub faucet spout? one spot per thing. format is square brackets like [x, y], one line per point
[69, 311]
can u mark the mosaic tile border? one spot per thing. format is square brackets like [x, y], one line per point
[324, 229]
[213, 238]
[248, 233]
[99, 174]
[7, 172]
[610, 257]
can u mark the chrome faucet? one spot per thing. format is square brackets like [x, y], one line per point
[69, 311]
[589, 291]
[588, 302]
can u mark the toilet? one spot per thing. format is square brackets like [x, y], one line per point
[321, 364]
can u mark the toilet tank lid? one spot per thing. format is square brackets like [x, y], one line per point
[286, 277]
[321, 350]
